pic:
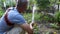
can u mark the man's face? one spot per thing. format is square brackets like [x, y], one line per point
[22, 5]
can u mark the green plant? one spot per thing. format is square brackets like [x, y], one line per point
[10, 3]
[49, 18]
[28, 17]
[57, 16]
[42, 4]
[1, 13]
[35, 28]
[37, 16]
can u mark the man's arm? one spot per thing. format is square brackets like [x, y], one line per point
[27, 28]
[19, 21]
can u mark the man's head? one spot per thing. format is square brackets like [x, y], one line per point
[22, 5]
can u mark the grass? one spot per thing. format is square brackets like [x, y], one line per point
[1, 13]
[28, 17]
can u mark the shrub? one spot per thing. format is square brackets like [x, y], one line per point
[1, 13]
[57, 16]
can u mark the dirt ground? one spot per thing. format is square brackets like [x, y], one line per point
[44, 28]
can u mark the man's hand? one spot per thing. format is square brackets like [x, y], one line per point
[27, 28]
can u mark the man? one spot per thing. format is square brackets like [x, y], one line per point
[13, 17]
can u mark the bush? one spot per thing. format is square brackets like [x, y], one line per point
[37, 17]
[42, 4]
[1, 13]
[28, 17]
[57, 16]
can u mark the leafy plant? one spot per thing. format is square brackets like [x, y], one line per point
[57, 16]
[28, 17]
[1, 13]
[42, 4]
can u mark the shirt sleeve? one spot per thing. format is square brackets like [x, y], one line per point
[16, 18]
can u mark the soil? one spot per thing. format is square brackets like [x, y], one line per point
[44, 28]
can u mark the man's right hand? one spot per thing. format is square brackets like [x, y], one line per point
[27, 28]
